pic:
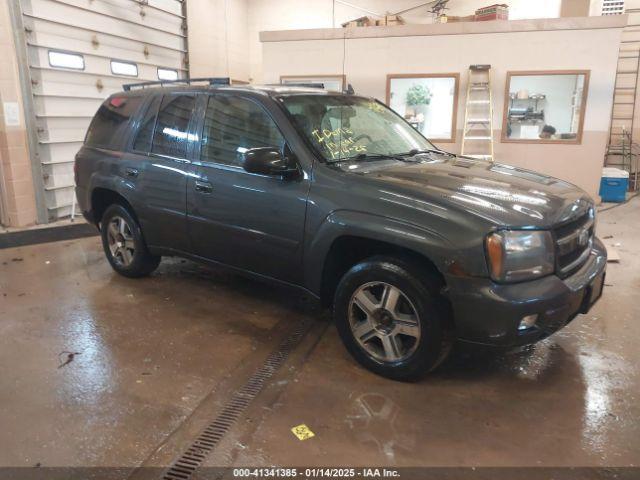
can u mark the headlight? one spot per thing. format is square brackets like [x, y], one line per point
[516, 255]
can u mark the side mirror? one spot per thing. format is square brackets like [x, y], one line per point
[267, 161]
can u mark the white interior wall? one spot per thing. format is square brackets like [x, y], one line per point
[218, 38]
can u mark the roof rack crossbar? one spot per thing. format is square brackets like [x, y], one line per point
[348, 90]
[300, 84]
[187, 81]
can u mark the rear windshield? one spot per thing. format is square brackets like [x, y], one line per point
[109, 126]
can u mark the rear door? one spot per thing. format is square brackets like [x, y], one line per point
[254, 222]
[163, 144]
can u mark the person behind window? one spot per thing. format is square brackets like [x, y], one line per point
[548, 132]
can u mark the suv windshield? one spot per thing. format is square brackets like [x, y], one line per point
[344, 127]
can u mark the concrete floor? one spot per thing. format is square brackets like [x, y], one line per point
[158, 357]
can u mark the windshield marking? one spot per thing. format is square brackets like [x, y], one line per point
[344, 146]
[353, 128]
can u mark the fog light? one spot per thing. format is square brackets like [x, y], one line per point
[528, 322]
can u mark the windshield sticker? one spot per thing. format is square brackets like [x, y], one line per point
[337, 145]
[375, 106]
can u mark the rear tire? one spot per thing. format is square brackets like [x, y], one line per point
[391, 318]
[124, 244]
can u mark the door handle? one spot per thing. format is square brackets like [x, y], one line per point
[131, 172]
[203, 187]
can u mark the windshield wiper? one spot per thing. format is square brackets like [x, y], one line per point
[415, 151]
[371, 157]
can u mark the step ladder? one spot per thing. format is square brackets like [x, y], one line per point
[622, 149]
[477, 133]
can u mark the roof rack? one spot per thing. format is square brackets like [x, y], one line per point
[187, 81]
[348, 90]
[299, 84]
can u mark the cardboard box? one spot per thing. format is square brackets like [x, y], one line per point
[361, 22]
[393, 20]
[498, 11]
[455, 19]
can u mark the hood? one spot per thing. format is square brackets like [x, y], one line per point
[501, 194]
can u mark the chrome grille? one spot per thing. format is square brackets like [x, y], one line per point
[574, 241]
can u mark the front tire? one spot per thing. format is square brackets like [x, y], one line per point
[124, 245]
[391, 318]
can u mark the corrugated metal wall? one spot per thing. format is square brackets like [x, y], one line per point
[150, 34]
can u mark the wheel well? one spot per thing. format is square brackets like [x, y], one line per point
[102, 198]
[347, 251]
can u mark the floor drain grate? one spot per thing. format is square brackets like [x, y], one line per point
[196, 453]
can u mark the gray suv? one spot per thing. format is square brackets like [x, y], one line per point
[334, 194]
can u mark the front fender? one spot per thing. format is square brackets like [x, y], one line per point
[340, 223]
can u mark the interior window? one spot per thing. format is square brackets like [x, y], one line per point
[142, 142]
[427, 102]
[234, 124]
[109, 125]
[171, 135]
[545, 107]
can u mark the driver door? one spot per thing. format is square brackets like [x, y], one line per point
[249, 221]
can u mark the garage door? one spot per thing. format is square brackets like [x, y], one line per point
[79, 52]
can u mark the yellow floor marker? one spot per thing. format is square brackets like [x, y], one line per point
[302, 432]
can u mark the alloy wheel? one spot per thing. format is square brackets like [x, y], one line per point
[384, 322]
[120, 240]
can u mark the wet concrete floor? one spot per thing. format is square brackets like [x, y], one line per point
[152, 360]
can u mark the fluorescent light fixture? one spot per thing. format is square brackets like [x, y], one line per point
[167, 74]
[73, 61]
[127, 69]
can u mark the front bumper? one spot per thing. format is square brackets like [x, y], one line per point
[489, 313]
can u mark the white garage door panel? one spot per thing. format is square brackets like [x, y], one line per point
[62, 135]
[56, 106]
[59, 153]
[59, 174]
[78, 84]
[64, 101]
[52, 10]
[62, 199]
[122, 10]
[68, 30]
[62, 128]
[85, 45]
[93, 65]
[97, 11]
[172, 6]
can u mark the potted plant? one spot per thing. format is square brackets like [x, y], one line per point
[418, 97]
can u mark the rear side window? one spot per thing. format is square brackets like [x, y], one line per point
[109, 125]
[234, 124]
[171, 135]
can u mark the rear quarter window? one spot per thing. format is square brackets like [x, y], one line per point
[109, 126]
